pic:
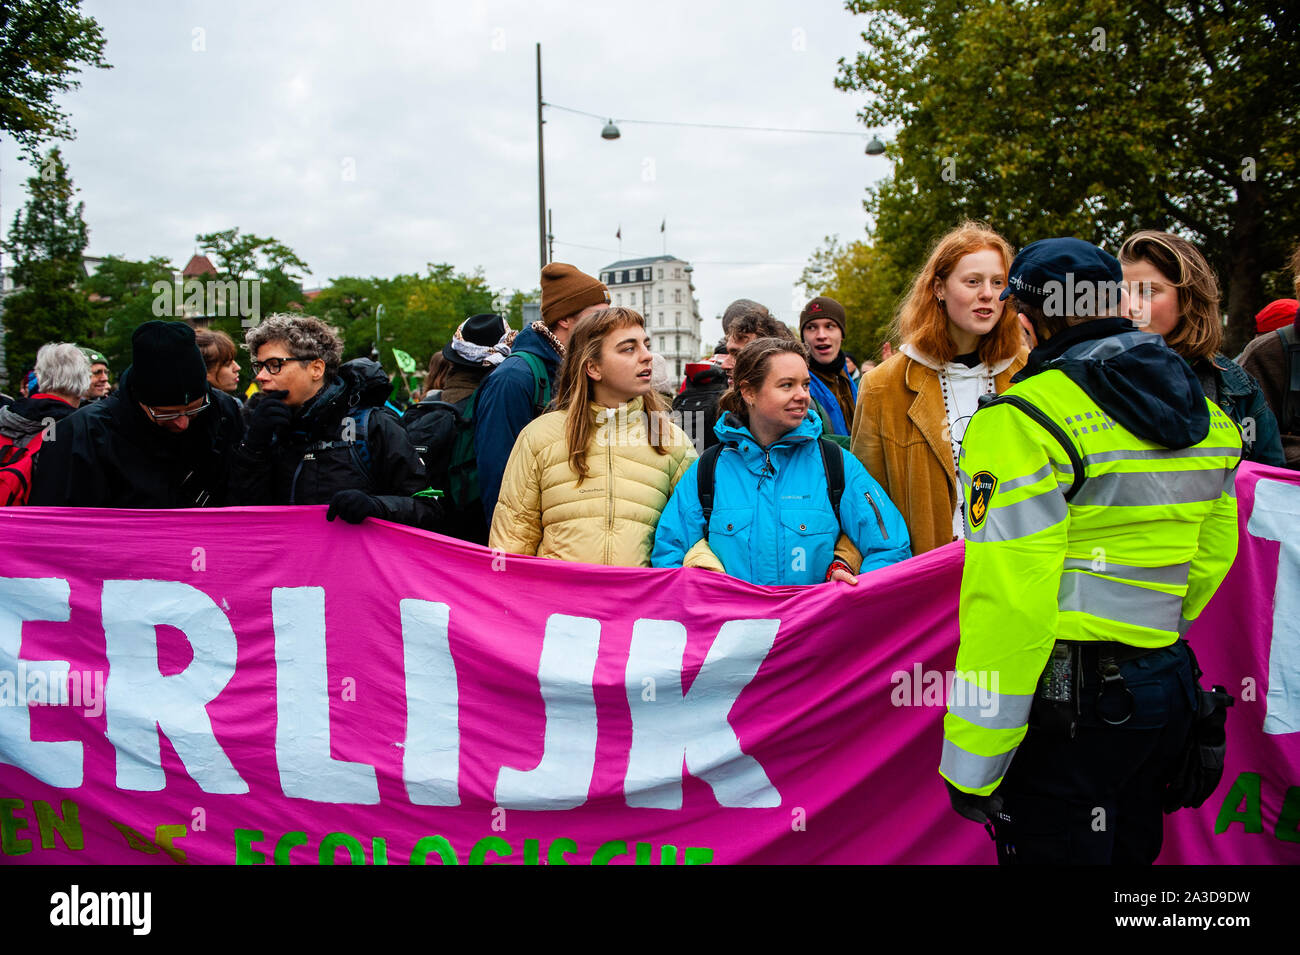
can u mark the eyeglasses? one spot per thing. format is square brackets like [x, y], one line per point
[274, 365]
[179, 414]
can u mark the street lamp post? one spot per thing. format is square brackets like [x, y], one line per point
[541, 165]
[379, 310]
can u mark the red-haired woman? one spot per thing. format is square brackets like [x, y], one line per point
[959, 343]
[588, 482]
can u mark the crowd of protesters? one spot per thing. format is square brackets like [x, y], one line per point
[567, 439]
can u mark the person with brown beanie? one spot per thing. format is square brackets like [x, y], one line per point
[822, 328]
[164, 439]
[520, 387]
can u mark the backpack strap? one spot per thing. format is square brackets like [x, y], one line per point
[359, 446]
[1048, 425]
[833, 462]
[704, 472]
[541, 382]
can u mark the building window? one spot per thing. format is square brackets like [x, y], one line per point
[661, 296]
[618, 276]
[645, 275]
[677, 295]
[679, 341]
[661, 272]
[677, 273]
[604, 277]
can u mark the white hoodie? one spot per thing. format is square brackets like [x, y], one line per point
[964, 386]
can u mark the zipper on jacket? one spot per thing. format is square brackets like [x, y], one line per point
[880, 521]
[609, 497]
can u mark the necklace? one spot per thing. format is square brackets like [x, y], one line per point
[950, 410]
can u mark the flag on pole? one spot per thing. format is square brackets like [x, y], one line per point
[662, 225]
[619, 234]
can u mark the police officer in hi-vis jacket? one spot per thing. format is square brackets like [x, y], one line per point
[1102, 518]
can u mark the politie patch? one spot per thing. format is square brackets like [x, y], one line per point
[982, 486]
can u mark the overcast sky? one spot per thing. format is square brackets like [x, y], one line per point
[375, 137]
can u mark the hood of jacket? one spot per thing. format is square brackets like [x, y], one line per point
[712, 377]
[955, 369]
[1136, 378]
[534, 343]
[360, 383]
[732, 431]
[26, 416]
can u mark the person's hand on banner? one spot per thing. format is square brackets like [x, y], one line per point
[353, 506]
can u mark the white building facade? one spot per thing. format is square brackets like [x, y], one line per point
[662, 290]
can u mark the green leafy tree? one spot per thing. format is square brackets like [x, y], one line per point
[1091, 119]
[121, 295]
[43, 45]
[511, 305]
[420, 314]
[270, 262]
[47, 240]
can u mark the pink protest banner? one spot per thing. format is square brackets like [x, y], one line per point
[259, 685]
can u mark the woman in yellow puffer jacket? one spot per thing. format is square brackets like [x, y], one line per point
[587, 483]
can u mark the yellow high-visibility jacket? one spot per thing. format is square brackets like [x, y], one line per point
[1133, 557]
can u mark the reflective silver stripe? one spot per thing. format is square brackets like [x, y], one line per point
[1230, 484]
[1021, 519]
[1113, 600]
[971, 771]
[1150, 488]
[1027, 480]
[1160, 454]
[989, 709]
[1173, 574]
[1184, 625]
[963, 479]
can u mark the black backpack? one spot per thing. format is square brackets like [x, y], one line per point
[832, 461]
[695, 408]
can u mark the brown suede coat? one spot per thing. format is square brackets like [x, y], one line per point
[900, 435]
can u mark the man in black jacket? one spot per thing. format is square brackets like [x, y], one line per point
[319, 432]
[163, 440]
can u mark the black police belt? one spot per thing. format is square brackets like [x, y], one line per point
[1060, 688]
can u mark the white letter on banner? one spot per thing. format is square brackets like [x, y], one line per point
[139, 700]
[302, 706]
[694, 725]
[33, 598]
[565, 673]
[431, 756]
[1276, 517]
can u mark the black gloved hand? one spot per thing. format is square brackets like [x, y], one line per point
[353, 506]
[270, 416]
[975, 808]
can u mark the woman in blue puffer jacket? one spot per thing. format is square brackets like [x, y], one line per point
[772, 520]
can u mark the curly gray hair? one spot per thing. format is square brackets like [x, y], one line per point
[62, 369]
[305, 336]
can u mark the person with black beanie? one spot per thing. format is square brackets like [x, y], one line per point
[164, 439]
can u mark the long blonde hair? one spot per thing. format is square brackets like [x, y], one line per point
[575, 389]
